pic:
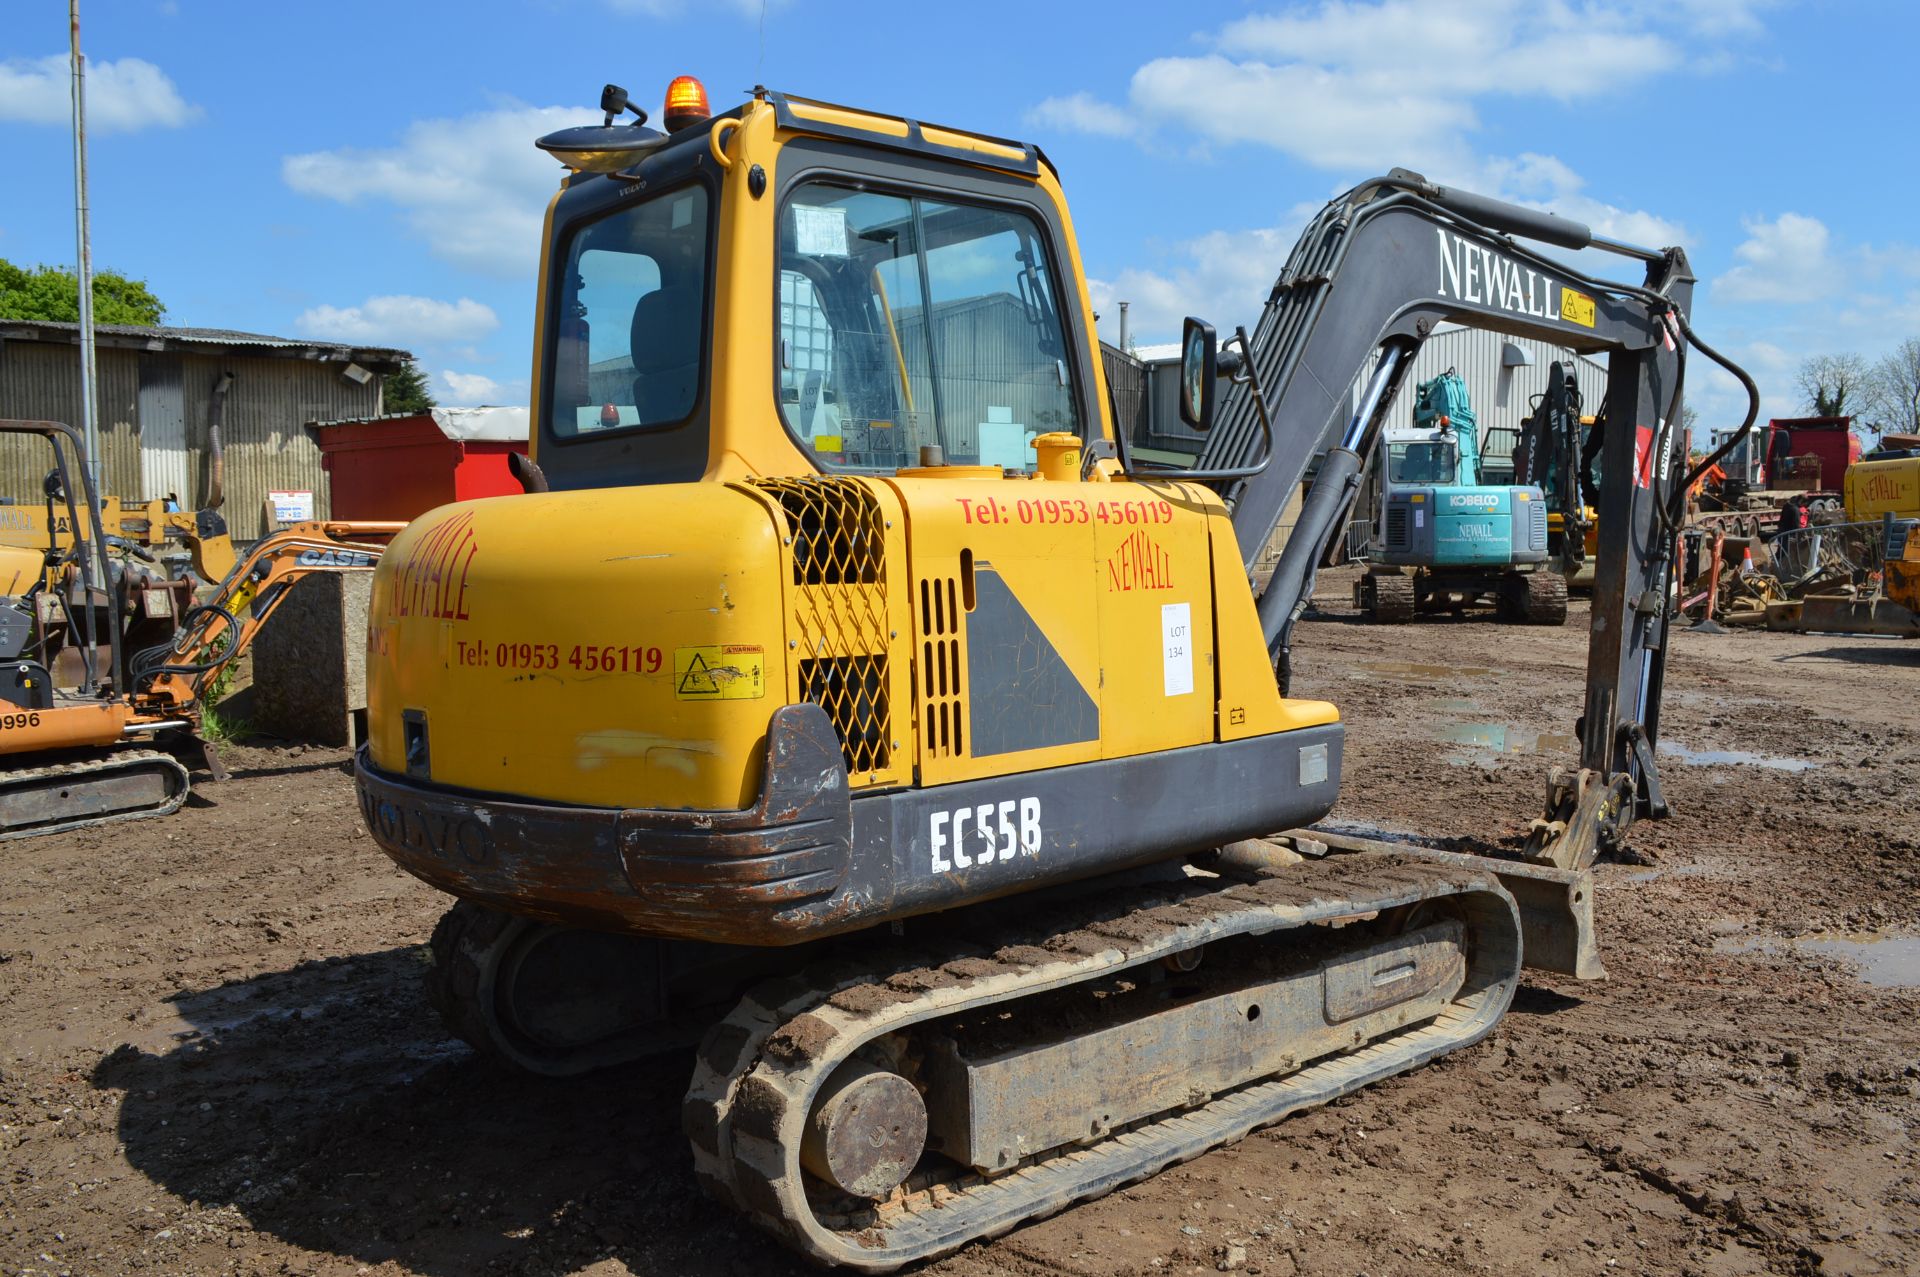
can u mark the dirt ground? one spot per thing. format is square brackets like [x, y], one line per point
[215, 1054]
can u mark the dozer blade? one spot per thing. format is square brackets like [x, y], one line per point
[124, 785]
[879, 1115]
[1556, 905]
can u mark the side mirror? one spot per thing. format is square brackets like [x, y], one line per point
[1199, 369]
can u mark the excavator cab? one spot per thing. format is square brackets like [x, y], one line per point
[1415, 463]
[840, 697]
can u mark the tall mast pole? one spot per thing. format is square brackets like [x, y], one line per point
[90, 416]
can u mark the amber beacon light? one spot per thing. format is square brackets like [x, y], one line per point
[686, 103]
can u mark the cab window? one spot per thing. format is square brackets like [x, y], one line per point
[631, 318]
[1422, 463]
[907, 321]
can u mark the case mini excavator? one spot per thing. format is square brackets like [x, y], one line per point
[108, 644]
[842, 697]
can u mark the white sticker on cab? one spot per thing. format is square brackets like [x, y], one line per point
[1176, 647]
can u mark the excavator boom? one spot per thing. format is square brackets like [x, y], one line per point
[1370, 279]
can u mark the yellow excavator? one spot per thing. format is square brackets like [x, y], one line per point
[842, 697]
[115, 620]
[1902, 577]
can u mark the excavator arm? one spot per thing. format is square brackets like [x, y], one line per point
[169, 679]
[1371, 278]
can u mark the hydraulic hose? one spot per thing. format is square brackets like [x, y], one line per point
[150, 663]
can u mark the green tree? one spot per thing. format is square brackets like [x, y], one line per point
[53, 293]
[405, 390]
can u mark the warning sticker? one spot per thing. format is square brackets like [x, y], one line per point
[1643, 456]
[730, 672]
[1576, 308]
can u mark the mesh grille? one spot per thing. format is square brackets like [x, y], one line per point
[939, 673]
[836, 527]
[1536, 525]
[837, 542]
[1396, 527]
[853, 691]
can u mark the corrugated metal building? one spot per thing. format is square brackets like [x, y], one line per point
[1503, 376]
[156, 392]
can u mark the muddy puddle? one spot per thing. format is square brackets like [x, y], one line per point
[1501, 738]
[1885, 960]
[1732, 758]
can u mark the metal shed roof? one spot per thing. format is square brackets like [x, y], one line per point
[142, 337]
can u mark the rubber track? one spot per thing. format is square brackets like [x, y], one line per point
[1393, 599]
[1546, 599]
[760, 1067]
[118, 761]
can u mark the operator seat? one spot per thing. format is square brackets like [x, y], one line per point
[665, 341]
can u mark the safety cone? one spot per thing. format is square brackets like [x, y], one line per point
[1746, 562]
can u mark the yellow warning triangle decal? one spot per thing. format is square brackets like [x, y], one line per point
[697, 681]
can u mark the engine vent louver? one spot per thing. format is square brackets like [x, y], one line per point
[1396, 527]
[941, 721]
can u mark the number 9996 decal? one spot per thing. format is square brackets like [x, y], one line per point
[983, 834]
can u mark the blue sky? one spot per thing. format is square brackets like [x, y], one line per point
[365, 172]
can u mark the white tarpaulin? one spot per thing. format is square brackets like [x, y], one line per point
[491, 425]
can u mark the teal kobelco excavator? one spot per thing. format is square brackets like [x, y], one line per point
[1442, 539]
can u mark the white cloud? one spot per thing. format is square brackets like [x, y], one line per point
[122, 97]
[1327, 118]
[474, 188]
[1083, 113]
[410, 322]
[1784, 260]
[471, 389]
[1367, 84]
[1223, 277]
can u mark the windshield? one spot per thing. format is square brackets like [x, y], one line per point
[1421, 463]
[907, 321]
[631, 318]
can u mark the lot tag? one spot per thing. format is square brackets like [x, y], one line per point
[1176, 647]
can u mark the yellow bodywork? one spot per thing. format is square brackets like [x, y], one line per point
[1903, 577]
[640, 669]
[27, 528]
[1876, 488]
[625, 647]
